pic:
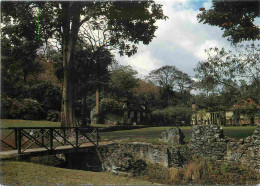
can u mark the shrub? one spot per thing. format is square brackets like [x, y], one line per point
[6, 104]
[156, 173]
[171, 116]
[48, 94]
[53, 115]
[28, 109]
[112, 106]
[202, 171]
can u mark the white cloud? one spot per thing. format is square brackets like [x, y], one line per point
[143, 61]
[200, 51]
[182, 33]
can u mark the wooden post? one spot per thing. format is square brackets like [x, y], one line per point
[51, 140]
[15, 138]
[64, 136]
[42, 131]
[19, 141]
[97, 136]
[77, 137]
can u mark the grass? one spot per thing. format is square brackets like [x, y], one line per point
[4, 123]
[144, 134]
[239, 132]
[150, 134]
[23, 173]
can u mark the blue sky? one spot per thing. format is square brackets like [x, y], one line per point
[180, 41]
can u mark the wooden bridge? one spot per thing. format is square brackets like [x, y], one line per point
[21, 140]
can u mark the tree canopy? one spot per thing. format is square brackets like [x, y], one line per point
[119, 25]
[236, 18]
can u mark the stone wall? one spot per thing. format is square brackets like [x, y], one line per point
[208, 141]
[246, 151]
[115, 156]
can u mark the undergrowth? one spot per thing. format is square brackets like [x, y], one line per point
[201, 171]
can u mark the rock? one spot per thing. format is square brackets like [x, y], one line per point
[173, 136]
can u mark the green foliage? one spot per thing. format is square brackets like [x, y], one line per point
[123, 81]
[123, 26]
[170, 77]
[53, 115]
[112, 106]
[172, 83]
[236, 18]
[229, 77]
[46, 93]
[178, 115]
[113, 110]
[89, 69]
[19, 38]
[28, 109]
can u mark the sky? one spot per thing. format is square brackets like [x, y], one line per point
[180, 40]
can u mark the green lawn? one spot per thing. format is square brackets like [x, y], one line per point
[239, 132]
[4, 123]
[150, 134]
[23, 173]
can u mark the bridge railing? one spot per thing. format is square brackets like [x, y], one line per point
[23, 139]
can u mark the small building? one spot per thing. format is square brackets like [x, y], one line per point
[242, 113]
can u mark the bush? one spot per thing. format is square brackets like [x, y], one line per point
[177, 115]
[53, 115]
[31, 109]
[112, 106]
[48, 94]
[156, 173]
[6, 104]
[28, 109]
[202, 171]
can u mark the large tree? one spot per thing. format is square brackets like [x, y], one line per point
[169, 79]
[235, 75]
[122, 25]
[236, 18]
[231, 70]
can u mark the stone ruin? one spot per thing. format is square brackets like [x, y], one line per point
[210, 142]
[174, 136]
[206, 141]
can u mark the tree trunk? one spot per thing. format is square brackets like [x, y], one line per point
[70, 27]
[97, 102]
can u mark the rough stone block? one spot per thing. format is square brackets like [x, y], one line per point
[173, 136]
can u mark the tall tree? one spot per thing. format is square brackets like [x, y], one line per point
[123, 82]
[123, 24]
[236, 18]
[89, 74]
[170, 79]
[228, 69]
[19, 44]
